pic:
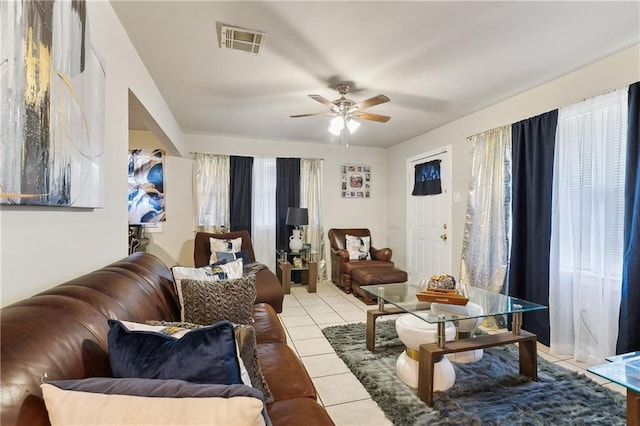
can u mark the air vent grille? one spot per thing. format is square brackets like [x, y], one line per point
[242, 39]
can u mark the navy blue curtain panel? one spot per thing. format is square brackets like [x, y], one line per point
[240, 177]
[287, 195]
[533, 142]
[427, 179]
[629, 326]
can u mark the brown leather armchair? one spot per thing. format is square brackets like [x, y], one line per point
[341, 266]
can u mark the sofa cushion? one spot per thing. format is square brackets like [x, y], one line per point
[206, 355]
[284, 372]
[267, 325]
[109, 401]
[208, 302]
[290, 411]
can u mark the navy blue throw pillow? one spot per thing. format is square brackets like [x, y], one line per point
[231, 256]
[204, 355]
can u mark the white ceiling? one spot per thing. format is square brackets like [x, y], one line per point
[436, 61]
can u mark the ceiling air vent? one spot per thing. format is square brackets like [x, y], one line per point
[242, 39]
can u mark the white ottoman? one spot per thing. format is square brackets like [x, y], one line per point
[464, 328]
[414, 332]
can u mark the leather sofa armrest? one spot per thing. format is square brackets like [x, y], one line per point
[341, 253]
[381, 254]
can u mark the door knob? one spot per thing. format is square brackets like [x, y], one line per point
[444, 237]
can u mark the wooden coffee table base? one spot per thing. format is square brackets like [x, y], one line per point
[430, 353]
[633, 408]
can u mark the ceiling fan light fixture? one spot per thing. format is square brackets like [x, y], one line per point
[335, 130]
[352, 125]
[337, 124]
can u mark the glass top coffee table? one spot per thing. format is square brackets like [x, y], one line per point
[625, 371]
[404, 300]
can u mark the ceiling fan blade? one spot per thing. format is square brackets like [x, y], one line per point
[374, 117]
[325, 101]
[309, 115]
[368, 103]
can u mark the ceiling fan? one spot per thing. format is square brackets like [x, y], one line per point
[345, 110]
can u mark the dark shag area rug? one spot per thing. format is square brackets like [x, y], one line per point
[487, 392]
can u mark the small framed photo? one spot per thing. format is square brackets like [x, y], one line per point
[355, 181]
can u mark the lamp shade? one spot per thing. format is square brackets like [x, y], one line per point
[297, 216]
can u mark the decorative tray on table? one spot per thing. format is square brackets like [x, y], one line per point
[441, 289]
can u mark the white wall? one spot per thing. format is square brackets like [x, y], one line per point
[42, 247]
[615, 71]
[338, 212]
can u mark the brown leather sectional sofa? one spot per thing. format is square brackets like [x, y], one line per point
[62, 333]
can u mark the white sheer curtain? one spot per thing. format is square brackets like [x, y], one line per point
[263, 206]
[485, 246]
[311, 198]
[211, 189]
[587, 227]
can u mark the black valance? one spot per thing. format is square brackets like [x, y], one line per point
[427, 179]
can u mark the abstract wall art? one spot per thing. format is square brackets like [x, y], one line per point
[146, 187]
[52, 86]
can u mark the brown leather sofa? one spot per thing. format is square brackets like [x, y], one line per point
[269, 288]
[342, 267]
[63, 332]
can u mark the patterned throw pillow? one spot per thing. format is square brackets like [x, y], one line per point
[231, 270]
[358, 247]
[207, 302]
[227, 246]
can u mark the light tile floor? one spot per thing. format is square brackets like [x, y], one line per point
[304, 315]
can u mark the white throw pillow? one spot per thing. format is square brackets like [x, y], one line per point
[227, 246]
[358, 247]
[67, 407]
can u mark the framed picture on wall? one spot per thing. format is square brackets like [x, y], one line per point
[52, 84]
[355, 181]
[146, 187]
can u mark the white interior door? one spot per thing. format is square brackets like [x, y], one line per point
[429, 221]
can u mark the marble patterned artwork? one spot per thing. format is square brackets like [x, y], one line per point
[52, 85]
[146, 187]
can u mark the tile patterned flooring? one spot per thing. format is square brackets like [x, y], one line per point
[304, 315]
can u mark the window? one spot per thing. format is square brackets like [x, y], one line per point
[585, 271]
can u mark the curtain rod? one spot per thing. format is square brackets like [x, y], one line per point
[491, 130]
[563, 106]
[254, 156]
[429, 156]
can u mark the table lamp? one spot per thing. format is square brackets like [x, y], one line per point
[296, 216]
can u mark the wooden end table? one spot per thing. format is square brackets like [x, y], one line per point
[308, 272]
